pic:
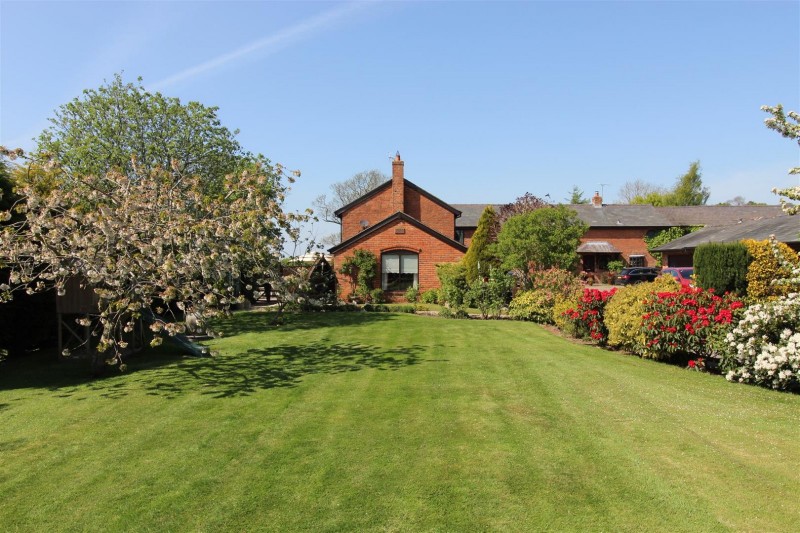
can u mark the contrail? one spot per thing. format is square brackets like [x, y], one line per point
[268, 44]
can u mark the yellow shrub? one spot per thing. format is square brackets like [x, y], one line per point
[564, 324]
[765, 268]
[623, 315]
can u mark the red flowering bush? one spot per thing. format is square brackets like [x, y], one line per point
[683, 322]
[587, 316]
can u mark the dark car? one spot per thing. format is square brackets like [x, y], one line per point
[629, 276]
[682, 275]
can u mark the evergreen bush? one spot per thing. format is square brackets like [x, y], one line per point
[722, 267]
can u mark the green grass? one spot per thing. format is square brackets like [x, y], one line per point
[376, 422]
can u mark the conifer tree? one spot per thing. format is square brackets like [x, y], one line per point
[479, 257]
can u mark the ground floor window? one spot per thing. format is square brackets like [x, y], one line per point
[399, 271]
[636, 261]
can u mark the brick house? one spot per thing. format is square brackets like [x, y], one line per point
[410, 231]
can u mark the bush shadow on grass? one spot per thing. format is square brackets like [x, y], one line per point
[277, 366]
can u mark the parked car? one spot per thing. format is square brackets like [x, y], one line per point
[631, 275]
[682, 275]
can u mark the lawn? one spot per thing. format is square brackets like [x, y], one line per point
[391, 422]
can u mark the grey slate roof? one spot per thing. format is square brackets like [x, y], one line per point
[471, 213]
[785, 228]
[597, 247]
[644, 216]
[621, 215]
[717, 215]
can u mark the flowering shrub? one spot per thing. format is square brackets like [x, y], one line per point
[764, 347]
[772, 263]
[560, 318]
[698, 365]
[548, 287]
[556, 282]
[489, 296]
[587, 317]
[535, 306]
[682, 322]
[623, 315]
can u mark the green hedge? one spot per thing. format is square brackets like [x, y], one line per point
[722, 267]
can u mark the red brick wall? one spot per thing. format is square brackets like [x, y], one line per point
[373, 211]
[626, 240]
[381, 206]
[430, 213]
[430, 249]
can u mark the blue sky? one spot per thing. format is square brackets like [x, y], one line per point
[484, 101]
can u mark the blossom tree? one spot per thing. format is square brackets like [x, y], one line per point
[146, 240]
[788, 125]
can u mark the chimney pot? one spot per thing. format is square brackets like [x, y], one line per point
[597, 200]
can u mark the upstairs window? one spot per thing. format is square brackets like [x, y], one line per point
[399, 271]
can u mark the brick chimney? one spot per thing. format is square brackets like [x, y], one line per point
[597, 200]
[398, 185]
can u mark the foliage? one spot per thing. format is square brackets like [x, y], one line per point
[412, 295]
[523, 204]
[454, 286]
[361, 268]
[688, 190]
[623, 314]
[7, 197]
[615, 266]
[455, 313]
[344, 192]
[430, 297]
[788, 263]
[638, 189]
[788, 125]
[534, 306]
[490, 295]
[664, 236]
[576, 196]
[121, 127]
[764, 347]
[561, 318]
[479, 259]
[588, 316]
[770, 265]
[540, 239]
[376, 296]
[682, 322]
[722, 267]
[547, 288]
[148, 240]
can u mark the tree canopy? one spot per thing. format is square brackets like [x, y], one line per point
[543, 238]
[688, 190]
[788, 125]
[523, 204]
[149, 204]
[576, 196]
[119, 125]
